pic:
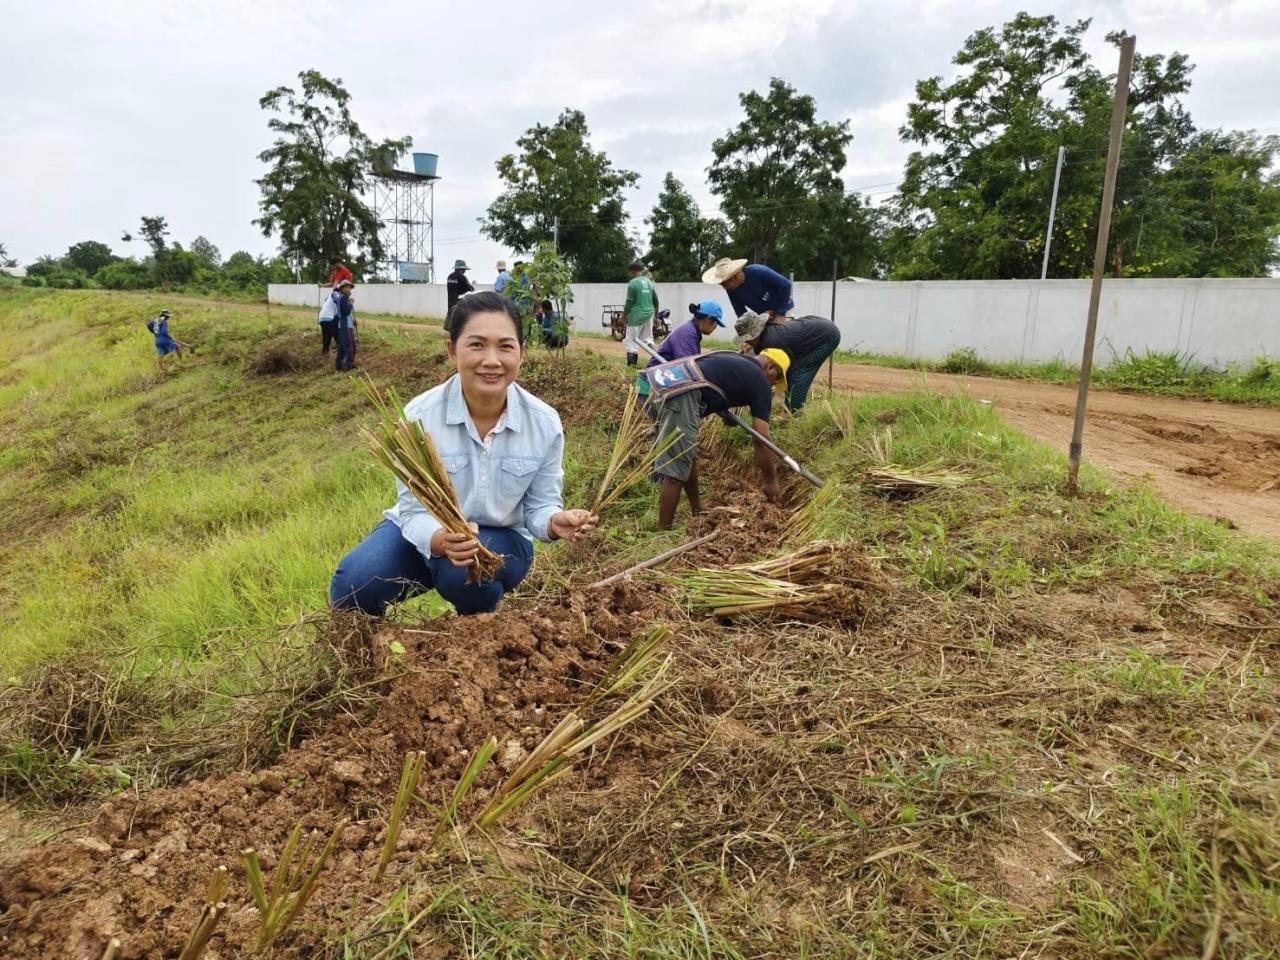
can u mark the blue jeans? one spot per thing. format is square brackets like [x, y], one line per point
[385, 568]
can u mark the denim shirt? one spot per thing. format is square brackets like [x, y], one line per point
[516, 483]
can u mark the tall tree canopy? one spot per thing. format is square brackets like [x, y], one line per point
[975, 197]
[89, 256]
[206, 252]
[320, 164]
[557, 175]
[777, 174]
[682, 242]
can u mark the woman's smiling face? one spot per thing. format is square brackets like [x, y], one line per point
[487, 354]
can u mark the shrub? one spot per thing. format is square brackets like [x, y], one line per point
[965, 360]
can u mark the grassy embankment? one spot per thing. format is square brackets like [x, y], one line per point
[1099, 669]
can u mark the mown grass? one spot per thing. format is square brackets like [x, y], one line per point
[1159, 372]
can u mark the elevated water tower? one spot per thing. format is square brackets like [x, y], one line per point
[404, 202]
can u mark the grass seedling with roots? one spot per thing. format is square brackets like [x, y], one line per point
[214, 907]
[404, 448]
[409, 776]
[291, 887]
[634, 432]
[638, 657]
[449, 815]
[549, 759]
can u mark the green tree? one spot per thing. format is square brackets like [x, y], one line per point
[5, 259]
[244, 271]
[88, 256]
[552, 277]
[778, 166]
[125, 274]
[209, 256]
[682, 242]
[320, 164]
[153, 230]
[556, 175]
[974, 198]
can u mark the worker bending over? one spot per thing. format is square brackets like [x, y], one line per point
[752, 286]
[685, 391]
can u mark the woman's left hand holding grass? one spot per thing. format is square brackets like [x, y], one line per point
[573, 524]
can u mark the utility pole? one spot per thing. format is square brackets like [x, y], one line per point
[1053, 207]
[1100, 258]
[831, 360]
[555, 235]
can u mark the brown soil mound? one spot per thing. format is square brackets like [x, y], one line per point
[140, 871]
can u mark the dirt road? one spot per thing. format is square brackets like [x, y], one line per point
[1220, 460]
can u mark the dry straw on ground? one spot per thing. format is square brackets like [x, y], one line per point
[403, 447]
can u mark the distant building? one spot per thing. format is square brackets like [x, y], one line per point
[18, 272]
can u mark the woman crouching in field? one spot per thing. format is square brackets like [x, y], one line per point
[503, 449]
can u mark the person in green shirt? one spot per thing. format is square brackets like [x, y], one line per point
[642, 304]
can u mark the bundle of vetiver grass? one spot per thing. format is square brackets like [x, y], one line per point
[402, 446]
[799, 566]
[815, 515]
[634, 431]
[729, 592]
[895, 480]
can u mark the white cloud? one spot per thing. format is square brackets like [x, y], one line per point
[116, 110]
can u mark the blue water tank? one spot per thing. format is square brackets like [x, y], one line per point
[424, 164]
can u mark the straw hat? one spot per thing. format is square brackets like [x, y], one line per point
[501, 264]
[722, 270]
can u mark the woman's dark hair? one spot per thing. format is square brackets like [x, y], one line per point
[548, 306]
[486, 302]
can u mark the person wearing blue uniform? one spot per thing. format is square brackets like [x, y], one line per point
[503, 278]
[345, 321]
[165, 344]
[752, 286]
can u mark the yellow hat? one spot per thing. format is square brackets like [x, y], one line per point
[781, 359]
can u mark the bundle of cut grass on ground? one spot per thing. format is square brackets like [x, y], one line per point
[731, 592]
[403, 447]
[634, 432]
[894, 480]
[811, 561]
[816, 516]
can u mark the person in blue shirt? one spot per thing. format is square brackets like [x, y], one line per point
[165, 344]
[752, 286]
[504, 451]
[503, 277]
[345, 326]
[548, 319]
[686, 339]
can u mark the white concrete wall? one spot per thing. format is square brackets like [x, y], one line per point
[1215, 322]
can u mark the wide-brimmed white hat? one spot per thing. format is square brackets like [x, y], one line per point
[722, 270]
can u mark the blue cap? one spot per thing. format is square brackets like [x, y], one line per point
[709, 308]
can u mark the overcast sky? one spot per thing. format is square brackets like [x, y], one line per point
[116, 109]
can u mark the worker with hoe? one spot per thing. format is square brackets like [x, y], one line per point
[683, 392]
[686, 339]
[640, 309]
[504, 451]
